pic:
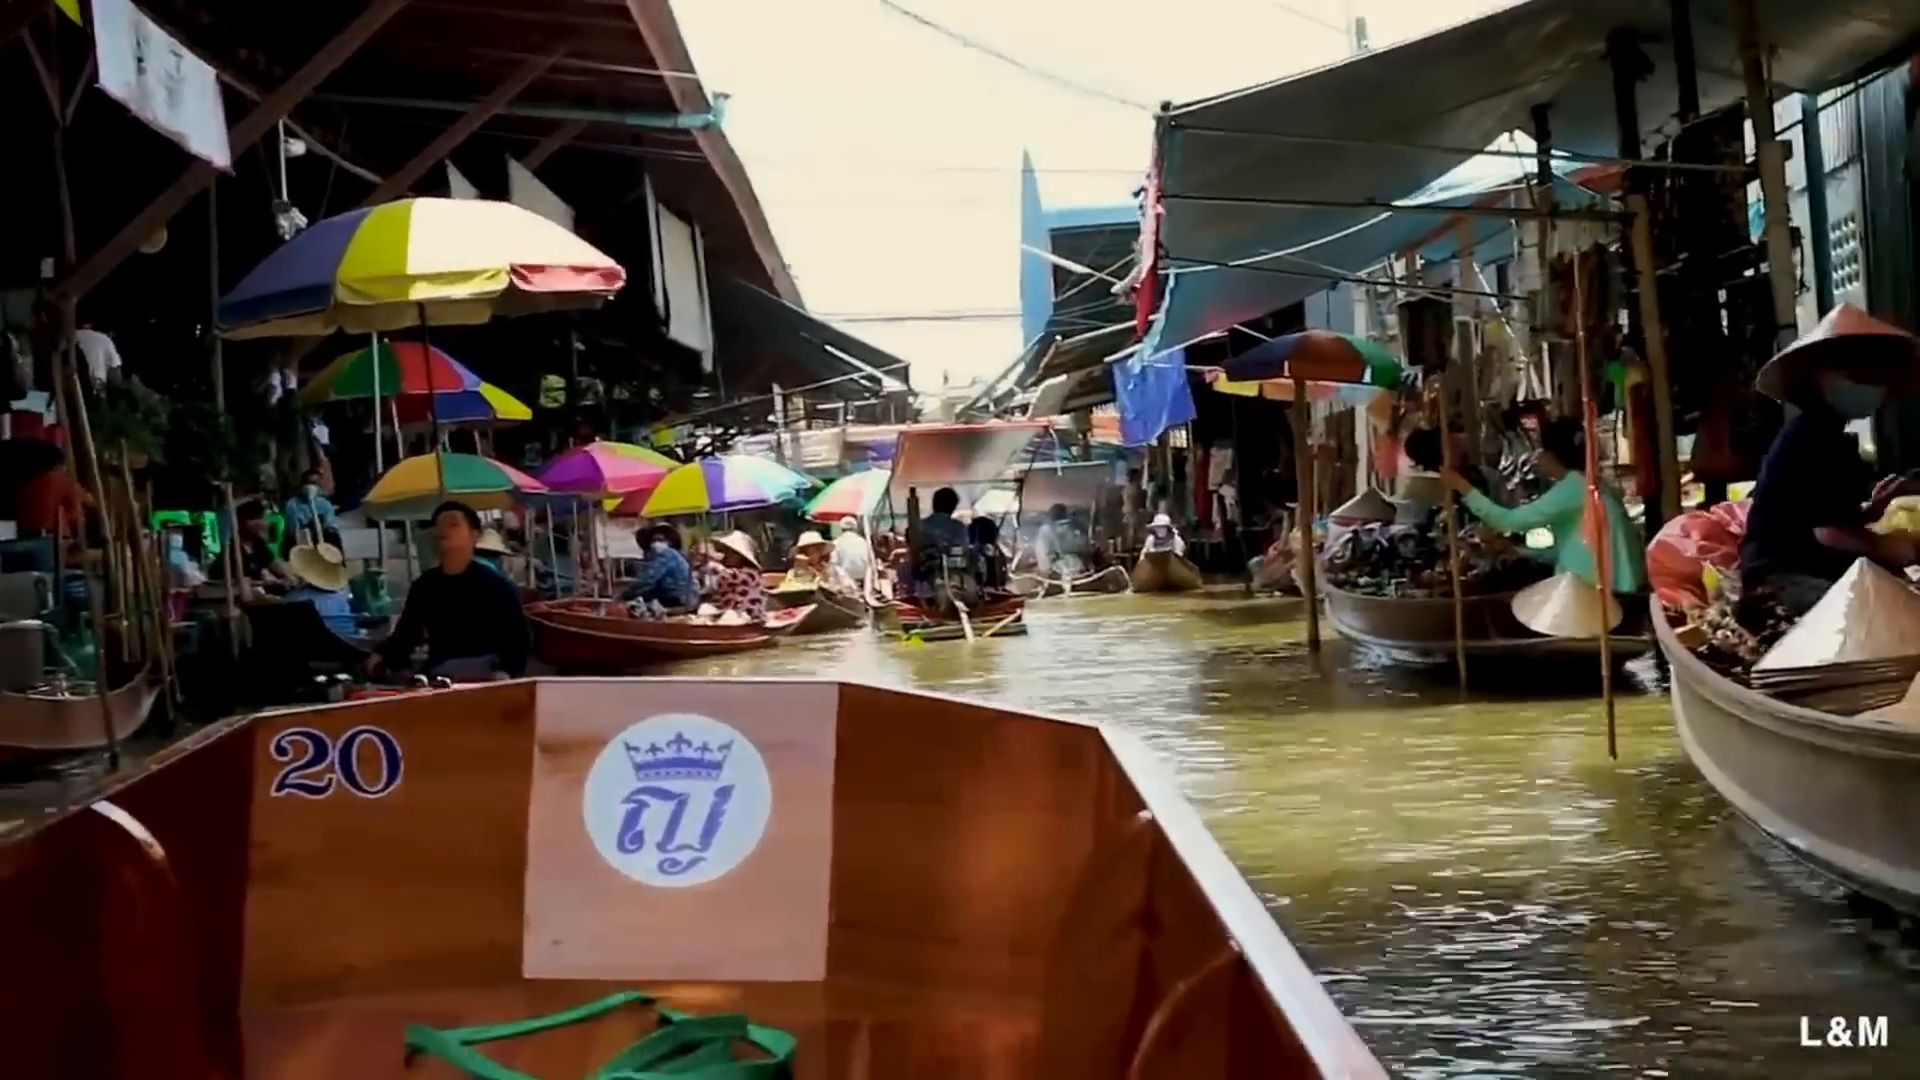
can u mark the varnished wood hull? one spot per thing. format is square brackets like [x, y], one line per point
[572, 638]
[1163, 571]
[1419, 631]
[1841, 793]
[998, 618]
[208, 923]
[35, 725]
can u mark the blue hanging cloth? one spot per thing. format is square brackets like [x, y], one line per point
[1152, 395]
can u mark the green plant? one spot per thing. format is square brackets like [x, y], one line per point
[130, 419]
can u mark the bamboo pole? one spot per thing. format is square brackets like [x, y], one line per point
[236, 574]
[1303, 480]
[1453, 549]
[1602, 537]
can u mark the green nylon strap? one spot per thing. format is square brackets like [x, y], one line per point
[683, 1047]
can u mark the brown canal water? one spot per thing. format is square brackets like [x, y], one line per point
[1483, 891]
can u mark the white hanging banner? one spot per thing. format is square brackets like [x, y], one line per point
[525, 189]
[158, 80]
[458, 186]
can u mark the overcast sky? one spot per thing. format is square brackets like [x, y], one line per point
[887, 154]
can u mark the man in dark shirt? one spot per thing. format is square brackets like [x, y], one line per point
[469, 615]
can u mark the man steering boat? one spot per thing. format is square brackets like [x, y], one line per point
[466, 614]
[943, 564]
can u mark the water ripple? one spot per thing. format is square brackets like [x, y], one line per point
[1480, 888]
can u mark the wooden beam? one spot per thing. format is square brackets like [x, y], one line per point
[436, 151]
[248, 131]
[16, 16]
[560, 137]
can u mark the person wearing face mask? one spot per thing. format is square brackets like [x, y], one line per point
[310, 508]
[665, 578]
[1562, 511]
[1816, 495]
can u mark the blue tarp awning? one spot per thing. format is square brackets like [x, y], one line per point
[1462, 87]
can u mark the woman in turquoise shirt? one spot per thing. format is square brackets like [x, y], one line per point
[1562, 511]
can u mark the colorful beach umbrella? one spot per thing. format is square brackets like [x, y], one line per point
[607, 468]
[404, 370]
[486, 404]
[854, 496]
[414, 262]
[416, 485]
[1318, 356]
[719, 485]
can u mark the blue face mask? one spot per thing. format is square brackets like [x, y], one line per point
[1854, 401]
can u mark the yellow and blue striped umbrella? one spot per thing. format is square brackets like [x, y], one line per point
[414, 262]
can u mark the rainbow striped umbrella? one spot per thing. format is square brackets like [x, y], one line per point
[418, 262]
[409, 371]
[607, 468]
[416, 485]
[853, 496]
[720, 485]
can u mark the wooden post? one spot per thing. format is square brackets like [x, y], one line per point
[1303, 479]
[1655, 332]
[1453, 549]
[1771, 157]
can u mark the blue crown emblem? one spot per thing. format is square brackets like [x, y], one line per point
[678, 759]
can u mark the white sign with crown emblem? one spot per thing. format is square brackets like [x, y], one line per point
[676, 800]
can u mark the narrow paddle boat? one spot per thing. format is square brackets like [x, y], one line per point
[1419, 630]
[64, 716]
[598, 635]
[1164, 571]
[570, 877]
[965, 457]
[1839, 792]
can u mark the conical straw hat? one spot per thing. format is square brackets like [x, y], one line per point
[1367, 506]
[1905, 712]
[1565, 606]
[1850, 342]
[740, 544]
[322, 566]
[1869, 614]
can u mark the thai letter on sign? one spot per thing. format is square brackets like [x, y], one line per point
[681, 833]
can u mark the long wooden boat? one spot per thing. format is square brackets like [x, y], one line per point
[586, 636]
[1112, 579]
[1419, 630]
[1164, 571]
[1840, 792]
[52, 720]
[337, 891]
[906, 620]
[832, 612]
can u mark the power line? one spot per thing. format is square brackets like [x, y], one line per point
[1343, 31]
[1043, 75]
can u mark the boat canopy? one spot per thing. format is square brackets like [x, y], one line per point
[966, 457]
[1385, 124]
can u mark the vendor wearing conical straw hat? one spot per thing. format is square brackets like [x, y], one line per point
[738, 588]
[321, 578]
[1816, 495]
[810, 555]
